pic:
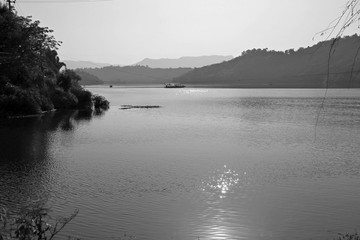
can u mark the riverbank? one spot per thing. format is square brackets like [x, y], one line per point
[18, 102]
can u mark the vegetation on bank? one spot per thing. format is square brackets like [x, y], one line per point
[32, 77]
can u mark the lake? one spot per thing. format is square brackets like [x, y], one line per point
[207, 164]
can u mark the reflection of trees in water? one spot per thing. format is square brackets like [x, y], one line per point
[68, 120]
[26, 158]
[88, 115]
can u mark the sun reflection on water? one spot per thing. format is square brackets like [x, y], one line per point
[219, 220]
[222, 181]
[191, 91]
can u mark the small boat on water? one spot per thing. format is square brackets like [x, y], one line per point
[174, 85]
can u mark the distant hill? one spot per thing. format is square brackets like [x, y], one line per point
[135, 74]
[83, 64]
[183, 62]
[88, 79]
[304, 68]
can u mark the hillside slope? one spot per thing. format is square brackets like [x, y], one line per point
[135, 74]
[87, 78]
[304, 68]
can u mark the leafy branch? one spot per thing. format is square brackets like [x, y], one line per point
[32, 223]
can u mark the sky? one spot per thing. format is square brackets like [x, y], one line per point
[123, 32]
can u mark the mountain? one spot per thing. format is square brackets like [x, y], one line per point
[87, 78]
[83, 64]
[183, 62]
[304, 68]
[129, 75]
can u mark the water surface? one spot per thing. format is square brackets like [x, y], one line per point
[208, 164]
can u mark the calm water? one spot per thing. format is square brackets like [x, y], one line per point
[208, 164]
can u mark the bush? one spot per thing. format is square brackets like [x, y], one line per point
[16, 102]
[100, 102]
[45, 103]
[84, 98]
[33, 222]
[42, 99]
[349, 236]
[68, 79]
[63, 100]
[3, 82]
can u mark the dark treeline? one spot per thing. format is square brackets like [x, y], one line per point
[302, 68]
[31, 76]
[129, 75]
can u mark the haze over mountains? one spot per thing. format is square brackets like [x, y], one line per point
[70, 64]
[255, 68]
[183, 62]
[148, 71]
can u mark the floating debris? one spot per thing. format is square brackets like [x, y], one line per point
[138, 106]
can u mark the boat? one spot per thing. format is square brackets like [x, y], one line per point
[174, 85]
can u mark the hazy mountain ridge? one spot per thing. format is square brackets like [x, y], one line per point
[70, 64]
[306, 67]
[135, 74]
[183, 62]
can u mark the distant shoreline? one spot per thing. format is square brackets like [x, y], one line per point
[205, 86]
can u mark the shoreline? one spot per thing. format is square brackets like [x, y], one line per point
[31, 115]
[207, 86]
[42, 113]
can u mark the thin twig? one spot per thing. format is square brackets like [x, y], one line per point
[353, 66]
[63, 222]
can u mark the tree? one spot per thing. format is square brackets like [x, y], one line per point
[67, 79]
[53, 63]
[24, 48]
[349, 16]
[31, 223]
[31, 80]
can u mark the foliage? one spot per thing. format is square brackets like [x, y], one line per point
[349, 16]
[24, 48]
[67, 79]
[31, 80]
[100, 102]
[348, 236]
[84, 97]
[17, 101]
[32, 222]
[63, 100]
[53, 62]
